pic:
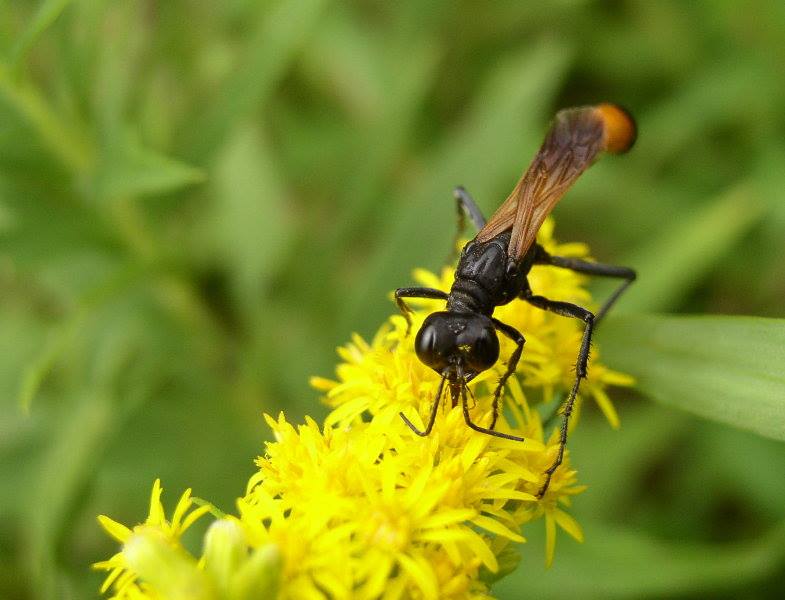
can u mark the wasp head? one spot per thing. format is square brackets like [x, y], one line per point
[457, 345]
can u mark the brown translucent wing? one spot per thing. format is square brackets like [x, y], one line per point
[574, 141]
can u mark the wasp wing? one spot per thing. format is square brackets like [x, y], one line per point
[574, 141]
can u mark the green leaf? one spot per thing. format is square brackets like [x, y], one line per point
[68, 464]
[133, 170]
[272, 49]
[384, 93]
[623, 563]
[675, 262]
[64, 140]
[728, 455]
[704, 101]
[47, 13]
[728, 369]
[56, 345]
[610, 460]
[249, 221]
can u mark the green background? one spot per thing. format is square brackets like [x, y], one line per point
[200, 200]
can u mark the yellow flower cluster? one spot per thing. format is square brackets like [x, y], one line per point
[361, 507]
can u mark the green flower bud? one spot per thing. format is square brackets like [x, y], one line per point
[167, 568]
[259, 576]
[225, 551]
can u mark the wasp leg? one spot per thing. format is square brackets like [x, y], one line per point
[517, 337]
[484, 430]
[465, 205]
[591, 268]
[431, 419]
[566, 309]
[415, 292]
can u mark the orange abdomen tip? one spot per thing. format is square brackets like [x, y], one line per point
[620, 128]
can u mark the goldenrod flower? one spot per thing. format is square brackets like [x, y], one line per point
[153, 537]
[361, 507]
[153, 564]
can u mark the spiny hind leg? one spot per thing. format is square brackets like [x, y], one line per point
[591, 268]
[566, 309]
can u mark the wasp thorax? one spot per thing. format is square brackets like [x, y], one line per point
[451, 338]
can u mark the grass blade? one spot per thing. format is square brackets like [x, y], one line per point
[625, 563]
[727, 369]
[47, 13]
[271, 50]
[671, 265]
[63, 140]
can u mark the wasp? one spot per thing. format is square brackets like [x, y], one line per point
[461, 341]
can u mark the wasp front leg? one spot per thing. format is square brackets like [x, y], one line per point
[415, 292]
[517, 337]
[486, 430]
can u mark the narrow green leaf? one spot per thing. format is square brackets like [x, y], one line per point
[622, 563]
[728, 369]
[385, 93]
[47, 13]
[344, 60]
[673, 263]
[249, 221]
[137, 170]
[733, 456]
[270, 52]
[68, 463]
[63, 139]
[34, 374]
[711, 97]
[609, 460]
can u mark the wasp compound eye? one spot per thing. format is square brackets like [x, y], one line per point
[484, 349]
[436, 341]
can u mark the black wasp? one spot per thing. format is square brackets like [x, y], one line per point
[461, 341]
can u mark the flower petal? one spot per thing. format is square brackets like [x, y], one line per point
[421, 572]
[117, 530]
[569, 524]
[494, 526]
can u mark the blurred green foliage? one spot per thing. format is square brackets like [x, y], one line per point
[200, 200]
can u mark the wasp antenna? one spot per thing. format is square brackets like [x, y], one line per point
[620, 128]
